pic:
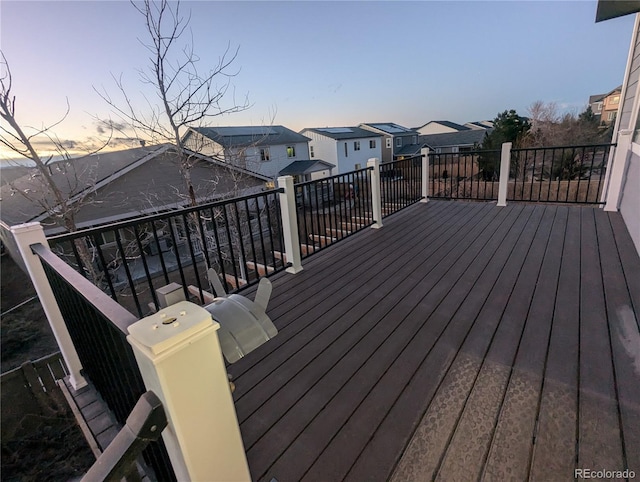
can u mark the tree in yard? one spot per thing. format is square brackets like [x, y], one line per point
[508, 126]
[61, 199]
[188, 97]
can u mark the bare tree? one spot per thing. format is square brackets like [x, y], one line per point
[59, 196]
[188, 97]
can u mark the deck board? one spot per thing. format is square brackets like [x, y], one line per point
[459, 341]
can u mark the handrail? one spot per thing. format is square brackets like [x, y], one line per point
[111, 310]
[156, 217]
[145, 424]
[331, 178]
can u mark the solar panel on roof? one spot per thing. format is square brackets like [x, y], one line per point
[336, 130]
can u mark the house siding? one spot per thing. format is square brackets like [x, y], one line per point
[634, 75]
[630, 203]
[435, 129]
[333, 151]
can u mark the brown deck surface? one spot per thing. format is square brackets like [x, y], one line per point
[461, 341]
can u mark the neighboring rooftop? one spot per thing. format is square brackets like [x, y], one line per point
[451, 125]
[250, 135]
[342, 132]
[464, 138]
[390, 128]
[298, 168]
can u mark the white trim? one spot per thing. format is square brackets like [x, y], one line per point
[623, 94]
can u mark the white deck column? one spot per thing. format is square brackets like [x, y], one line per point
[505, 165]
[376, 196]
[32, 233]
[180, 359]
[290, 224]
[425, 174]
[617, 169]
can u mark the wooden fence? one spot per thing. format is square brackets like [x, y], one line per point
[29, 390]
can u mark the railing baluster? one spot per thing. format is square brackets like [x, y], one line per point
[145, 266]
[160, 255]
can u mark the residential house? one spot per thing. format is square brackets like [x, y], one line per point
[348, 148]
[623, 172]
[399, 142]
[112, 186]
[266, 150]
[485, 124]
[605, 106]
[454, 141]
[440, 127]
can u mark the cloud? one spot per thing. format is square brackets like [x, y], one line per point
[106, 126]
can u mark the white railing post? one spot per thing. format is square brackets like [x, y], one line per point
[290, 224]
[505, 165]
[612, 193]
[180, 359]
[376, 196]
[425, 174]
[25, 235]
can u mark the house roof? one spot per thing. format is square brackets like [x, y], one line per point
[409, 150]
[596, 98]
[445, 123]
[119, 184]
[297, 168]
[339, 133]
[389, 128]
[464, 138]
[483, 124]
[608, 9]
[250, 135]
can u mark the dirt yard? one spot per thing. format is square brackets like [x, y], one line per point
[44, 447]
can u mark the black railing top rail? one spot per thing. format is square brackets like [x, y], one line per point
[432, 152]
[579, 146]
[330, 178]
[409, 158]
[145, 218]
[119, 316]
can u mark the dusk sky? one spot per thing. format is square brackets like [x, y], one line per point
[311, 64]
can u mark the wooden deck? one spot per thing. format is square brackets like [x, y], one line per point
[461, 341]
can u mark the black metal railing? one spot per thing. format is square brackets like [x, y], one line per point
[241, 238]
[568, 174]
[332, 208]
[98, 328]
[464, 175]
[400, 184]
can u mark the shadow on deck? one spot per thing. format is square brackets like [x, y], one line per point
[459, 341]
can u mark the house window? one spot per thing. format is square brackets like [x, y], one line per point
[108, 237]
[616, 99]
[398, 141]
[356, 145]
[264, 154]
[372, 144]
[311, 151]
[388, 142]
[291, 151]
[597, 107]
[346, 151]
[611, 116]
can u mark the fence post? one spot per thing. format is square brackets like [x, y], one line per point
[425, 174]
[612, 193]
[505, 165]
[376, 197]
[290, 224]
[180, 359]
[25, 235]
